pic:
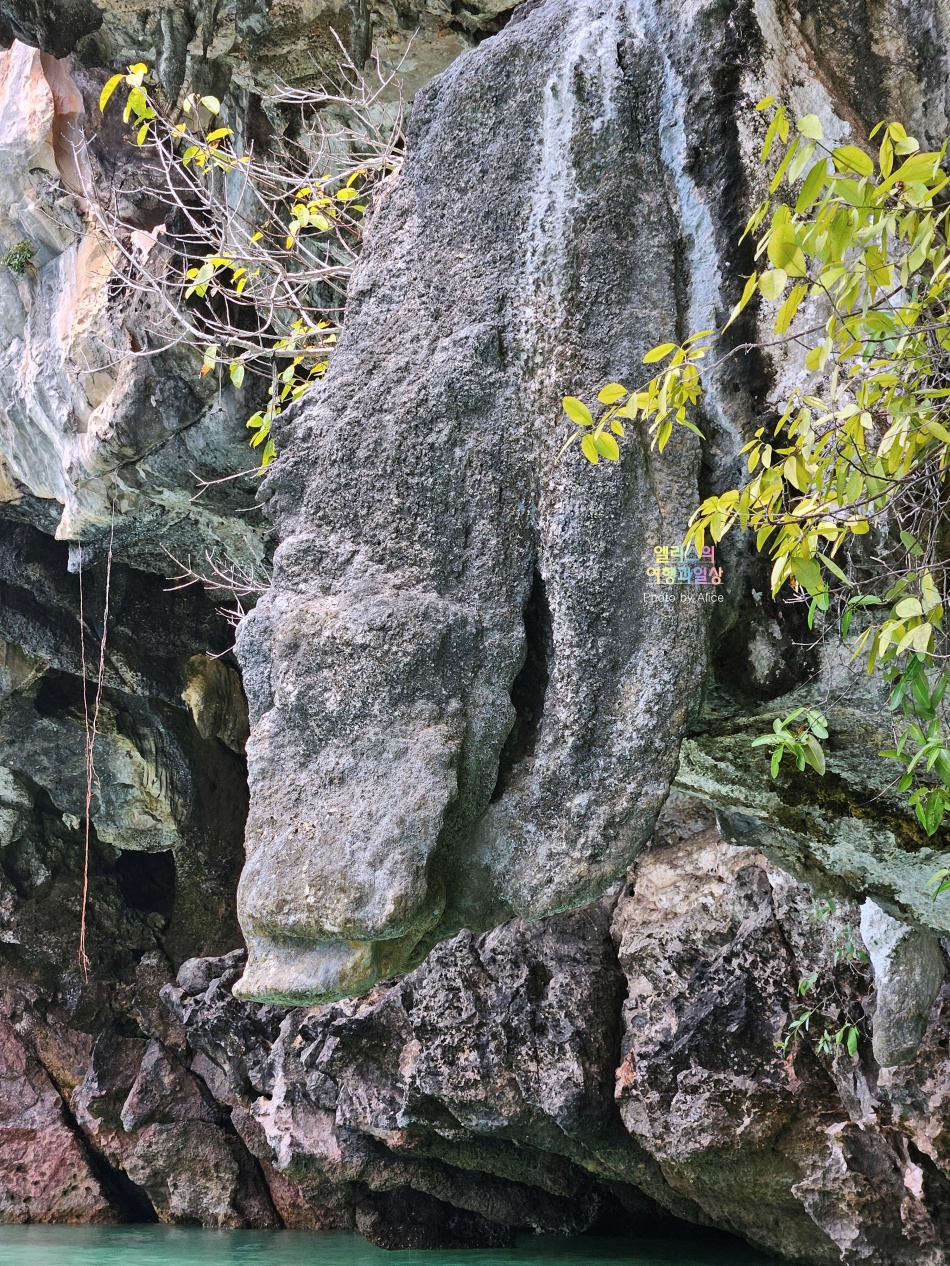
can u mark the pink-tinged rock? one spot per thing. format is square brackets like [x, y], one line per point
[200, 1174]
[44, 1172]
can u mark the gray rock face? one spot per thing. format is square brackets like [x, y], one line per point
[168, 801]
[849, 833]
[253, 41]
[464, 705]
[95, 440]
[472, 703]
[909, 970]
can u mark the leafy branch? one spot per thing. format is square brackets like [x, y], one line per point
[803, 742]
[250, 264]
[853, 266]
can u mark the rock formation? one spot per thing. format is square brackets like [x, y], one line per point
[486, 986]
[511, 732]
[611, 1067]
[469, 771]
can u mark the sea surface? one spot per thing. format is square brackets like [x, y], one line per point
[176, 1246]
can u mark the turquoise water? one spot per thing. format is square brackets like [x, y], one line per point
[175, 1246]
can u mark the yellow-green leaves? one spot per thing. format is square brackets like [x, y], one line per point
[109, 89]
[773, 283]
[810, 126]
[599, 442]
[852, 161]
[134, 79]
[748, 291]
[210, 359]
[656, 354]
[664, 402]
[812, 186]
[137, 105]
[577, 411]
[784, 251]
[855, 254]
[606, 446]
[613, 392]
[778, 128]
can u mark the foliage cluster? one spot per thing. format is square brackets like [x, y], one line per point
[251, 264]
[19, 258]
[847, 481]
[802, 742]
[823, 1013]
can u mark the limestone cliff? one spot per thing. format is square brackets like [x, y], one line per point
[465, 713]
[509, 736]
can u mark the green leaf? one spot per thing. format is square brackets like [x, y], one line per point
[606, 446]
[748, 291]
[819, 726]
[808, 575]
[659, 353]
[813, 753]
[810, 126]
[784, 252]
[773, 282]
[237, 374]
[851, 159]
[211, 104]
[834, 568]
[811, 187]
[577, 411]
[852, 1041]
[907, 608]
[929, 592]
[917, 167]
[613, 392]
[108, 90]
[691, 426]
[589, 449]
[136, 104]
[800, 162]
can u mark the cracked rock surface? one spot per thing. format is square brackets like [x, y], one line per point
[612, 1067]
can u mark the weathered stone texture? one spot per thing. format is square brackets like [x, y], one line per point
[579, 183]
[615, 1066]
[474, 708]
[463, 706]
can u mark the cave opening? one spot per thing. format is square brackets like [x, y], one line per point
[147, 881]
